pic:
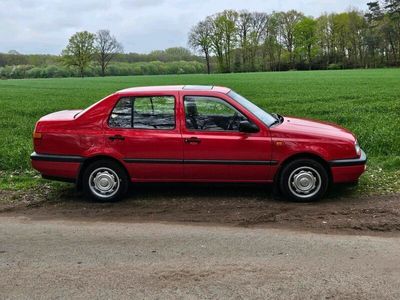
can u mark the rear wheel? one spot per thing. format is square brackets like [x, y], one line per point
[105, 181]
[304, 180]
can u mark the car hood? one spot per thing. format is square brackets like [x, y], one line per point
[299, 126]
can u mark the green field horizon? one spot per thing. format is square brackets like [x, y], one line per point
[365, 101]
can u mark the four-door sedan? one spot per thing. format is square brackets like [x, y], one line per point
[191, 134]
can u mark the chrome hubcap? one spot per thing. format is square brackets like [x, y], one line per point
[104, 182]
[304, 182]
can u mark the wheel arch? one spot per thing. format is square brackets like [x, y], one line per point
[304, 155]
[92, 159]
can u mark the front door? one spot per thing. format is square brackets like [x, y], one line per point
[215, 150]
[144, 130]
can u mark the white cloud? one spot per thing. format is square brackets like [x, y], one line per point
[44, 26]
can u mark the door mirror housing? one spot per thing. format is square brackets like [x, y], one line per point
[248, 127]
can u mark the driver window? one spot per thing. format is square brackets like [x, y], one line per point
[211, 114]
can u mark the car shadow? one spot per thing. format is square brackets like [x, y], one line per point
[155, 192]
[209, 190]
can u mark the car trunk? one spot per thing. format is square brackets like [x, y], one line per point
[64, 115]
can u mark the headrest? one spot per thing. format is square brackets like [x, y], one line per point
[191, 108]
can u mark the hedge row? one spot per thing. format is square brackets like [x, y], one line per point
[115, 69]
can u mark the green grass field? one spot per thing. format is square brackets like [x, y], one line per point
[365, 101]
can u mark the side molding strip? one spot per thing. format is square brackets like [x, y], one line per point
[200, 161]
[56, 158]
[153, 161]
[72, 158]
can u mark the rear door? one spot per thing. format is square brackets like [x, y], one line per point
[214, 149]
[144, 129]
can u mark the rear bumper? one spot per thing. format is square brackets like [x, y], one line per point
[60, 167]
[348, 170]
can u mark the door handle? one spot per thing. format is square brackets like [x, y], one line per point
[193, 140]
[116, 137]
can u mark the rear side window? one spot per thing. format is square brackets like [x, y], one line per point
[121, 116]
[144, 113]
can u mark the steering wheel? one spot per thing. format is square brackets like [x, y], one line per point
[206, 122]
[233, 120]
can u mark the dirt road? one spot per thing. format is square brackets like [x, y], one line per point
[246, 244]
[232, 205]
[65, 259]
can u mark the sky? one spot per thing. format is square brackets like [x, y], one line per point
[44, 26]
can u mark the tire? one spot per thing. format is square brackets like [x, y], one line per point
[105, 181]
[304, 180]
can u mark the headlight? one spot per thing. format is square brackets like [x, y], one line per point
[357, 148]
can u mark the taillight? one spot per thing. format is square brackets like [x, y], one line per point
[357, 148]
[37, 135]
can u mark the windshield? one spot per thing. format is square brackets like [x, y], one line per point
[262, 115]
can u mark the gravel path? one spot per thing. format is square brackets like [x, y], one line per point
[76, 259]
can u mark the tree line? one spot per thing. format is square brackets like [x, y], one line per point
[234, 41]
[241, 41]
[173, 54]
[114, 69]
[97, 55]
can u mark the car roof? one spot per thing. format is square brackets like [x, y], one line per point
[161, 88]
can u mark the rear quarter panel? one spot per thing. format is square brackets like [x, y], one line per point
[81, 136]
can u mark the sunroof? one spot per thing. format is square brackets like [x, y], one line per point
[198, 87]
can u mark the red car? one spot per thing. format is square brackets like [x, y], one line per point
[191, 134]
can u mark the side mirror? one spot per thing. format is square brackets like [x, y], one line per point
[248, 127]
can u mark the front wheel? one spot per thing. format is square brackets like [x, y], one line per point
[304, 180]
[105, 181]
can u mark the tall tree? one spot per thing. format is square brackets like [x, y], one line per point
[288, 22]
[392, 8]
[324, 32]
[340, 37]
[272, 45]
[224, 37]
[200, 39]
[107, 47]
[357, 38]
[251, 30]
[259, 22]
[79, 51]
[306, 38]
[244, 23]
[217, 41]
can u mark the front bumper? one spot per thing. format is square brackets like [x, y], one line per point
[348, 170]
[362, 160]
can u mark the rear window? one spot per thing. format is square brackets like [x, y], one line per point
[156, 112]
